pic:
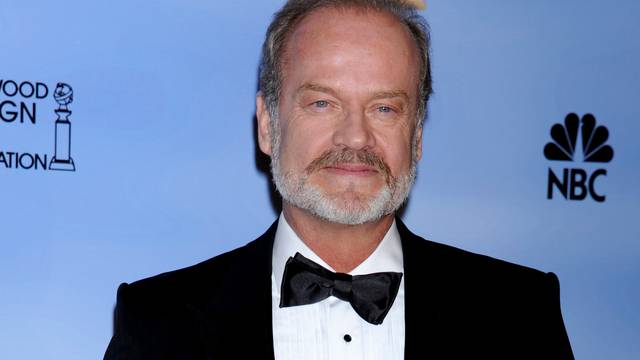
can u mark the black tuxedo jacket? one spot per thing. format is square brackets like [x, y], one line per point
[458, 305]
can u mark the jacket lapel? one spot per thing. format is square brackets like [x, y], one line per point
[237, 317]
[420, 286]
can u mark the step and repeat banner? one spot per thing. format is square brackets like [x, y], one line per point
[127, 148]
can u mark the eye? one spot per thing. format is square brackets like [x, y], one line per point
[321, 104]
[386, 111]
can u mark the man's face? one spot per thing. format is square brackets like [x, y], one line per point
[345, 141]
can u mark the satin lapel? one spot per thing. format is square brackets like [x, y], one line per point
[238, 316]
[421, 289]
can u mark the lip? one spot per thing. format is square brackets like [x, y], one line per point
[352, 169]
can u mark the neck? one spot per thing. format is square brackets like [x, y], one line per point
[343, 247]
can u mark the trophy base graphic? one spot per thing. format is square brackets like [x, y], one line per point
[64, 165]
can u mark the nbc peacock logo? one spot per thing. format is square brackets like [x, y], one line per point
[578, 140]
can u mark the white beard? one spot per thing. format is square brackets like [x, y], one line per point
[296, 190]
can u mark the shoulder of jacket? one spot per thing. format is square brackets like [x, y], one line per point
[194, 282]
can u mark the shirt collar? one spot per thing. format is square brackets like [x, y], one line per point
[386, 257]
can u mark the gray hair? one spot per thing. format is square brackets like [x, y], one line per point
[294, 11]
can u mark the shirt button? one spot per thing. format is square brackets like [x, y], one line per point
[347, 338]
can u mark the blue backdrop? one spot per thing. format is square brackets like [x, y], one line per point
[165, 162]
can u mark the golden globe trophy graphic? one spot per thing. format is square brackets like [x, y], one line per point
[62, 158]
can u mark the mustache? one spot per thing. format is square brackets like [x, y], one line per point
[336, 157]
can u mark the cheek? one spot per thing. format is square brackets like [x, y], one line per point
[301, 145]
[397, 153]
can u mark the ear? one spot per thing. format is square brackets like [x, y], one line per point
[418, 140]
[264, 127]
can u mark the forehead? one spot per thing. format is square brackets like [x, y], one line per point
[356, 38]
[330, 17]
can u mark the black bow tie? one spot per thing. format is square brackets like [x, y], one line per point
[371, 296]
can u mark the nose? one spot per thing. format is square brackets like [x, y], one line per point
[354, 132]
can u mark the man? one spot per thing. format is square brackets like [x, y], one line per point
[344, 86]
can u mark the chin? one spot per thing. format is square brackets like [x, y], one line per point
[349, 203]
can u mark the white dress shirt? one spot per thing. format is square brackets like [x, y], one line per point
[331, 329]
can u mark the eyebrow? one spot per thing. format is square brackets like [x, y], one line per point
[391, 94]
[316, 87]
[376, 95]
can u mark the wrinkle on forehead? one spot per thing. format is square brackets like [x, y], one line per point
[376, 95]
